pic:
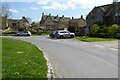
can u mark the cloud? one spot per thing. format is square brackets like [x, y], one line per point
[71, 4]
[13, 10]
[34, 8]
[43, 2]
[56, 5]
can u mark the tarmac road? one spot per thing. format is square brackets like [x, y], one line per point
[71, 58]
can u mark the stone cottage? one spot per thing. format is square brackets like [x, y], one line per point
[79, 24]
[104, 15]
[19, 24]
[54, 22]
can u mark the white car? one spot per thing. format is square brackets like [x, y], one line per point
[23, 33]
[62, 34]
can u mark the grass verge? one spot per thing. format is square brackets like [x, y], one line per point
[93, 39]
[22, 60]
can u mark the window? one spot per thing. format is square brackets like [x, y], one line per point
[14, 24]
[64, 32]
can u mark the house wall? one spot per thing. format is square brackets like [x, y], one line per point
[95, 17]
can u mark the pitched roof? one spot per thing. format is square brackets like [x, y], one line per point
[55, 18]
[113, 9]
[109, 9]
[14, 20]
[17, 20]
[24, 19]
[82, 22]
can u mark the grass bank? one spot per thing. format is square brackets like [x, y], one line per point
[22, 60]
[93, 39]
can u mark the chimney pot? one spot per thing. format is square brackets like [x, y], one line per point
[42, 13]
[72, 17]
[81, 16]
[49, 14]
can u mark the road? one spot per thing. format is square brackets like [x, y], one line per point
[71, 58]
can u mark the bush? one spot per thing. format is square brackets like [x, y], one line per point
[94, 30]
[103, 35]
[118, 35]
[113, 30]
[71, 29]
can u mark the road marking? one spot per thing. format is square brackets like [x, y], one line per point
[53, 40]
[98, 46]
[85, 43]
[114, 49]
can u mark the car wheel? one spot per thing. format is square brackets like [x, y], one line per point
[53, 36]
[72, 36]
[17, 35]
[28, 34]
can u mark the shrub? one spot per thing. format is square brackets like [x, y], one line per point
[103, 35]
[118, 35]
[71, 29]
[113, 30]
[94, 30]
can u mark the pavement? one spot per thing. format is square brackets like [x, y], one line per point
[71, 58]
[109, 44]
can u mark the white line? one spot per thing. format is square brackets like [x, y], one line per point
[85, 43]
[114, 49]
[98, 46]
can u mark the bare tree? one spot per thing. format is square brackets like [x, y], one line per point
[5, 10]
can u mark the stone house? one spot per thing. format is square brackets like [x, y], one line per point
[104, 15]
[54, 22]
[18, 24]
[79, 24]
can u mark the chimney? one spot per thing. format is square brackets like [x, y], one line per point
[81, 16]
[23, 17]
[72, 17]
[49, 14]
[42, 13]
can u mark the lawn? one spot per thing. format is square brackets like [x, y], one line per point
[93, 39]
[22, 60]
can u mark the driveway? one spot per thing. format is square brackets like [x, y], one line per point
[71, 58]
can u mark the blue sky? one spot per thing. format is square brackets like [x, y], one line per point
[68, 8]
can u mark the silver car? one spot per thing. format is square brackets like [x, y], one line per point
[62, 34]
[23, 33]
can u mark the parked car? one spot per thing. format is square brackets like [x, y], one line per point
[62, 34]
[23, 33]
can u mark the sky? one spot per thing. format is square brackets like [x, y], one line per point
[68, 8]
